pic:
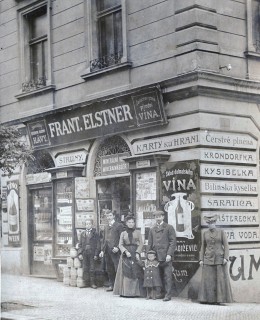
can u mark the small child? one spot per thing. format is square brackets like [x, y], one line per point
[152, 278]
[89, 247]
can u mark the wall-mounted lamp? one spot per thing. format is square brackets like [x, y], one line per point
[228, 67]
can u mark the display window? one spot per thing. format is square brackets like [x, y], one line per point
[63, 218]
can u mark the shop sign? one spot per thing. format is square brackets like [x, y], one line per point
[13, 211]
[143, 164]
[246, 157]
[85, 204]
[71, 158]
[180, 196]
[114, 164]
[229, 140]
[233, 218]
[38, 134]
[124, 113]
[171, 142]
[41, 177]
[244, 271]
[249, 234]
[190, 139]
[238, 187]
[228, 171]
[232, 203]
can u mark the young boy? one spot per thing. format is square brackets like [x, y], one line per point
[89, 247]
[152, 279]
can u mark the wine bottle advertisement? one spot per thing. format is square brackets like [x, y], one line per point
[180, 200]
[13, 211]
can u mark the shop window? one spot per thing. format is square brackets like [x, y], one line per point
[253, 26]
[35, 48]
[107, 35]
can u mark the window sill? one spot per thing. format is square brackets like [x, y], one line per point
[28, 94]
[252, 54]
[87, 74]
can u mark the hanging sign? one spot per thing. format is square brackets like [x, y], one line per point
[124, 113]
[114, 164]
[71, 158]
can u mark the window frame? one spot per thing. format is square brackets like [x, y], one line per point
[25, 44]
[251, 48]
[92, 39]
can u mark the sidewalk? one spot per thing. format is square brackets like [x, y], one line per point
[47, 299]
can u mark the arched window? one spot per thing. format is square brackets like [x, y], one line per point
[113, 145]
[42, 161]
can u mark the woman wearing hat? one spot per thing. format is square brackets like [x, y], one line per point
[129, 273]
[215, 286]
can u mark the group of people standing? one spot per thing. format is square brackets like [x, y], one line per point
[132, 276]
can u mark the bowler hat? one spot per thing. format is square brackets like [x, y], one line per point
[158, 213]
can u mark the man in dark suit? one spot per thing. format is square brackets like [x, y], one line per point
[110, 247]
[89, 247]
[162, 239]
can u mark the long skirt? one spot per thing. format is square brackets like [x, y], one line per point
[128, 277]
[215, 285]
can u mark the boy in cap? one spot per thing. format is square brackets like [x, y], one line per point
[152, 278]
[162, 239]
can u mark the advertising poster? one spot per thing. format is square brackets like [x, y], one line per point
[13, 212]
[181, 202]
[81, 188]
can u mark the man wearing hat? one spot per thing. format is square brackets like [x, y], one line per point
[162, 239]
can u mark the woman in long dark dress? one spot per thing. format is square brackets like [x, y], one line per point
[215, 285]
[129, 273]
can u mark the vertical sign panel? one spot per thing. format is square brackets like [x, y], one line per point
[13, 212]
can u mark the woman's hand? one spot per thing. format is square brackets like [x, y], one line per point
[128, 254]
[137, 256]
[201, 263]
[225, 261]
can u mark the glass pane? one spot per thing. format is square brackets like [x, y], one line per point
[118, 32]
[39, 60]
[107, 35]
[63, 237]
[105, 4]
[36, 61]
[256, 24]
[38, 23]
[42, 214]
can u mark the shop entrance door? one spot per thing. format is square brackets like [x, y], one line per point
[113, 194]
[40, 232]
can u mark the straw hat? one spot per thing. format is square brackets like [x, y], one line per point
[211, 217]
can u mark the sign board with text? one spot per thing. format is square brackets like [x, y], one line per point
[124, 113]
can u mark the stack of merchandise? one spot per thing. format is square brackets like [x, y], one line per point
[73, 272]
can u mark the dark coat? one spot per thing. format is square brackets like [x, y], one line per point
[92, 244]
[162, 240]
[152, 276]
[111, 236]
[214, 247]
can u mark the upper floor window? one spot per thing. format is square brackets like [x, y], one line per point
[34, 27]
[253, 25]
[107, 34]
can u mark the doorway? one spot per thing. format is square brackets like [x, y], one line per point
[113, 194]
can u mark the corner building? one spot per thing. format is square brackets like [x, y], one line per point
[133, 106]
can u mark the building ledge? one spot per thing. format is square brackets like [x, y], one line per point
[88, 74]
[24, 95]
[252, 54]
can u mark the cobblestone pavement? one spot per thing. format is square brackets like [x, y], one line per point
[50, 300]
